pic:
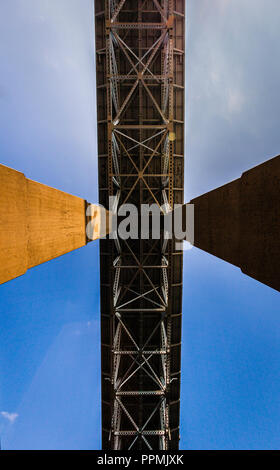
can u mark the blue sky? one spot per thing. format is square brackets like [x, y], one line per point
[49, 336]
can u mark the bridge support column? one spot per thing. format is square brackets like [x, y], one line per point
[240, 223]
[37, 223]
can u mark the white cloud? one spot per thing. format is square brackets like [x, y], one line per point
[11, 417]
[235, 101]
[222, 5]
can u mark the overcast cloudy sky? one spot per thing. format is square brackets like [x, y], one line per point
[49, 336]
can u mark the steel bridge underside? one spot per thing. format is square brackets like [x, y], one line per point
[140, 61]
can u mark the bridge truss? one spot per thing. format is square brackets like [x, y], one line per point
[140, 92]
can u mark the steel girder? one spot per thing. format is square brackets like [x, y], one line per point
[140, 83]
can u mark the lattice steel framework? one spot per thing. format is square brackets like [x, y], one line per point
[140, 83]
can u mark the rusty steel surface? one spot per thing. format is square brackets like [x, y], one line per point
[140, 93]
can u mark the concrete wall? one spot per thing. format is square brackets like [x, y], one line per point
[240, 222]
[37, 223]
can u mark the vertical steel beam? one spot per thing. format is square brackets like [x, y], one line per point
[140, 83]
